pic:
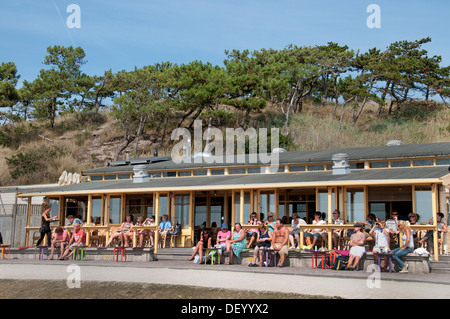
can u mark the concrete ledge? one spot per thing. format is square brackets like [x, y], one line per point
[92, 253]
[417, 264]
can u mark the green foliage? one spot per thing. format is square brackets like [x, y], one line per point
[24, 163]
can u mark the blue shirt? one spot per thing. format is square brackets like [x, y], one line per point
[165, 225]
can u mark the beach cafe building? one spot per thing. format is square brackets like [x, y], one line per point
[356, 181]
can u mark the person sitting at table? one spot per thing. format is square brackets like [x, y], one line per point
[335, 232]
[165, 226]
[263, 240]
[270, 221]
[295, 232]
[315, 233]
[441, 229]
[204, 243]
[73, 220]
[222, 237]
[237, 244]
[60, 239]
[381, 234]
[126, 226]
[78, 239]
[142, 233]
[252, 233]
[357, 248]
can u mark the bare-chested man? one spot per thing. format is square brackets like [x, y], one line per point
[280, 237]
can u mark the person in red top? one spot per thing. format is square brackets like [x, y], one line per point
[60, 239]
[77, 239]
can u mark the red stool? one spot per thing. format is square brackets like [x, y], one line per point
[3, 248]
[123, 251]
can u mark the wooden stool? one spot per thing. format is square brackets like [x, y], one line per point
[123, 251]
[79, 251]
[41, 252]
[3, 248]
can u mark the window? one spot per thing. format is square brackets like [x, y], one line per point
[297, 168]
[96, 210]
[423, 202]
[237, 206]
[110, 177]
[442, 161]
[217, 171]
[114, 210]
[155, 174]
[96, 178]
[182, 210]
[355, 205]
[255, 170]
[359, 165]
[423, 162]
[202, 172]
[233, 171]
[406, 163]
[379, 164]
[124, 176]
[184, 173]
[170, 174]
[316, 167]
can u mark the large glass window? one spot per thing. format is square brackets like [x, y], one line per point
[96, 210]
[237, 205]
[355, 205]
[267, 204]
[182, 210]
[322, 198]
[423, 202]
[200, 211]
[114, 210]
[216, 211]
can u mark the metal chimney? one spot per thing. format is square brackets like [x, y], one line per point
[340, 166]
[140, 174]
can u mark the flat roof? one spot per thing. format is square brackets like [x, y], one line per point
[392, 176]
[285, 158]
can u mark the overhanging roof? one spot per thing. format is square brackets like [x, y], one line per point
[301, 157]
[392, 176]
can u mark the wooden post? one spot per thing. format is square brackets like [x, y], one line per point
[330, 217]
[88, 219]
[241, 207]
[434, 207]
[156, 222]
[27, 236]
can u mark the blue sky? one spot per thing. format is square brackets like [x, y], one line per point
[120, 35]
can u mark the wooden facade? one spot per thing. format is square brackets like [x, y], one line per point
[208, 200]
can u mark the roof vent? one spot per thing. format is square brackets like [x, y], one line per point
[140, 174]
[340, 166]
[394, 143]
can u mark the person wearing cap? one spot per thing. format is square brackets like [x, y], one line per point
[357, 247]
[222, 237]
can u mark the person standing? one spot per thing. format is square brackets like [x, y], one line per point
[45, 226]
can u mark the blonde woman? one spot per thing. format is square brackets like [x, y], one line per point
[408, 245]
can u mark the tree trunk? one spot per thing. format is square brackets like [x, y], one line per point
[128, 140]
